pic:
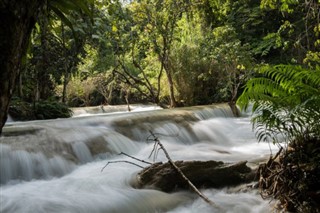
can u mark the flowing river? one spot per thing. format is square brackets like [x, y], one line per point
[57, 165]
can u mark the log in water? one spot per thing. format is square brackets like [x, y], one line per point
[202, 174]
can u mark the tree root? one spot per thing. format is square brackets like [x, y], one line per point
[292, 179]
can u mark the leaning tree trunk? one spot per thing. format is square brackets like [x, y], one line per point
[17, 18]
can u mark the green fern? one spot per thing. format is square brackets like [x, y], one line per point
[286, 102]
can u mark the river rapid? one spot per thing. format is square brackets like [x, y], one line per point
[58, 165]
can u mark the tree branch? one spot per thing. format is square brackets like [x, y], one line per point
[193, 187]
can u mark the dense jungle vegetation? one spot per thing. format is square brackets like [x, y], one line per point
[59, 53]
[166, 52]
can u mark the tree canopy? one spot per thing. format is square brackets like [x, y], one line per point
[171, 53]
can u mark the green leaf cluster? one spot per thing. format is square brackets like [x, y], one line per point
[21, 110]
[286, 102]
[197, 52]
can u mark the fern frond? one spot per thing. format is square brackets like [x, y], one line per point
[286, 101]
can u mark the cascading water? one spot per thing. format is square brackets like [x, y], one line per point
[55, 166]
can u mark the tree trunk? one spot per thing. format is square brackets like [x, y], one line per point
[66, 74]
[42, 77]
[65, 84]
[126, 96]
[17, 18]
[165, 62]
[109, 98]
[234, 108]
[173, 102]
[20, 86]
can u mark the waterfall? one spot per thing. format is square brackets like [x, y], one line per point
[85, 111]
[57, 163]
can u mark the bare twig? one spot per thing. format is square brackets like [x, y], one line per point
[143, 161]
[154, 150]
[124, 161]
[193, 187]
[121, 161]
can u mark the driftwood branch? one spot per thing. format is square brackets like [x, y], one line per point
[203, 174]
[129, 162]
[205, 198]
[121, 161]
[143, 161]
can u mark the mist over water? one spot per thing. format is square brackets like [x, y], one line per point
[56, 165]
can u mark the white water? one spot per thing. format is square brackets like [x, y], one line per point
[55, 166]
[9, 119]
[87, 111]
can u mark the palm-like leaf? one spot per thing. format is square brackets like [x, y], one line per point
[62, 8]
[286, 101]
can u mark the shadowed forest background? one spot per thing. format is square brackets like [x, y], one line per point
[171, 53]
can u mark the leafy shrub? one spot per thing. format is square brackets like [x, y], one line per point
[21, 110]
[51, 110]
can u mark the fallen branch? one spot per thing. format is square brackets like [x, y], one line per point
[143, 161]
[121, 161]
[203, 174]
[205, 198]
[129, 162]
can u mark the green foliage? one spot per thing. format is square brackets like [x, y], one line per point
[51, 110]
[205, 50]
[283, 5]
[286, 102]
[230, 57]
[191, 68]
[56, 47]
[80, 91]
[22, 111]
[297, 28]
[63, 9]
